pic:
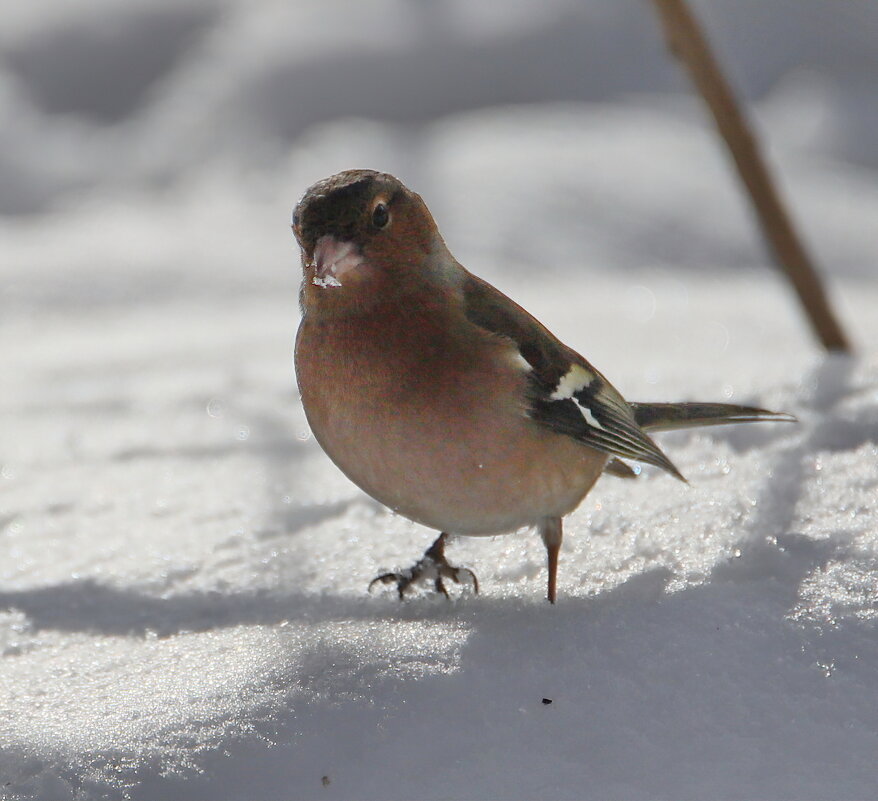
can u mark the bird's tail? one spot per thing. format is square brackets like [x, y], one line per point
[671, 416]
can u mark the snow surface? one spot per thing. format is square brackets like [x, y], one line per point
[183, 605]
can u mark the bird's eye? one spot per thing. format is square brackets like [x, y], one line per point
[380, 216]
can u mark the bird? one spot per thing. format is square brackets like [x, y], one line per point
[442, 398]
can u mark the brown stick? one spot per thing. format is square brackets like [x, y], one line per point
[686, 41]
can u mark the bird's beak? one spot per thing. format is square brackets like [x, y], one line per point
[333, 259]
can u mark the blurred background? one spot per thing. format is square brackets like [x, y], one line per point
[153, 148]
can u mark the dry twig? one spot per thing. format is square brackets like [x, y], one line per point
[687, 42]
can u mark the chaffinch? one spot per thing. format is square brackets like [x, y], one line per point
[442, 398]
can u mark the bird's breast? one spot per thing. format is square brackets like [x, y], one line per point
[434, 425]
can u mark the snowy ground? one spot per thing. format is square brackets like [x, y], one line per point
[183, 606]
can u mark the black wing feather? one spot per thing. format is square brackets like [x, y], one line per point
[617, 434]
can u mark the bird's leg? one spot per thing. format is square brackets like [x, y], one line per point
[432, 565]
[552, 532]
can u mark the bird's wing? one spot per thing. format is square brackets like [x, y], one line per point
[566, 394]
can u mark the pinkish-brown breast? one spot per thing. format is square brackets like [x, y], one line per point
[432, 424]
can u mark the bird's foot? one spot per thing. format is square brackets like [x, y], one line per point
[432, 566]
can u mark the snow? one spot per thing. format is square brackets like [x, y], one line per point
[183, 604]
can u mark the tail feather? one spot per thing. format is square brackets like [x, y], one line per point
[671, 416]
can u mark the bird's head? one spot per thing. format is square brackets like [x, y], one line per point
[364, 236]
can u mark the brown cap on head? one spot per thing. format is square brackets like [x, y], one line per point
[345, 206]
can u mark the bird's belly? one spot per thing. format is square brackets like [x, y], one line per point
[496, 482]
[462, 458]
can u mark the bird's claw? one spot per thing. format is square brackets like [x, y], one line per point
[405, 580]
[432, 566]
